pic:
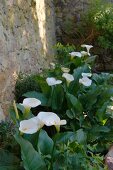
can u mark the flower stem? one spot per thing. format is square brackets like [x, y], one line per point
[16, 111]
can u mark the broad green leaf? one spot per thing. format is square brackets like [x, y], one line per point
[90, 97]
[37, 95]
[20, 107]
[91, 60]
[98, 128]
[74, 102]
[64, 137]
[32, 160]
[77, 72]
[45, 143]
[70, 114]
[101, 78]
[101, 112]
[32, 138]
[57, 97]
[8, 161]
[81, 136]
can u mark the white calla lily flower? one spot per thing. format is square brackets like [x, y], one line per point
[88, 47]
[31, 103]
[65, 70]
[84, 53]
[30, 126]
[86, 74]
[77, 54]
[51, 81]
[50, 119]
[85, 81]
[68, 77]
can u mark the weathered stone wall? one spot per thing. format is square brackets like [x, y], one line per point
[67, 16]
[26, 39]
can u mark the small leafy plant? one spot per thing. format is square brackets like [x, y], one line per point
[9, 149]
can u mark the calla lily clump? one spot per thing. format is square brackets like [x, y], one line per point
[70, 96]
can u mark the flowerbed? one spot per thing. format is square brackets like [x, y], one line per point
[67, 123]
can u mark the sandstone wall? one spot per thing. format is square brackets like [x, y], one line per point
[26, 39]
[67, 16]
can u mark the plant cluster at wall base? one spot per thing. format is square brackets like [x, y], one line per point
[67, 122]
[9, 149]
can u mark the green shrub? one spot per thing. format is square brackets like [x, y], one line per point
[63, 52]
[24, 84]
[96, 24]
[9, 148]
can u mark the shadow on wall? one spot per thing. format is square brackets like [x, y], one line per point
[68, 15]
[24, 38]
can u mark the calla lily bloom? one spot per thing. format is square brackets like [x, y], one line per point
[88, 47]
[51, 81]
[86, 74]
[84, 53]
[65, 70]
[85, 81]
[77, 54]
[31, 103]
[34, 124]
[68, 77]
[50, 119]
[30, 126]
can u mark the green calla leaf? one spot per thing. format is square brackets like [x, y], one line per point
[8, 161]
[81, 136]
[74, 102]
[45, 143]
[78, 71]
[70, 114]
[64, 137]
[57, 97]
[32, 160]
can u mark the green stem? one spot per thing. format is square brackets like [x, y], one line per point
[51, 166]
[16, 111]
[26, 112]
